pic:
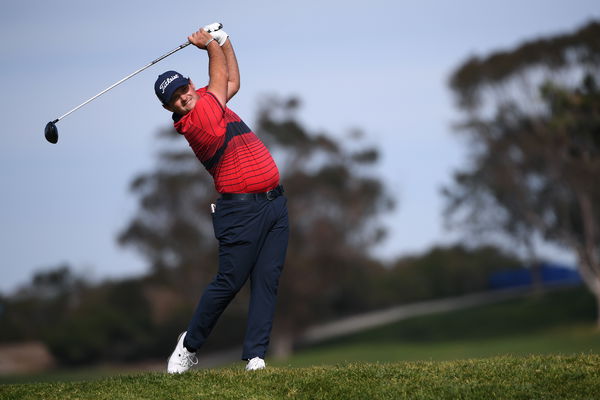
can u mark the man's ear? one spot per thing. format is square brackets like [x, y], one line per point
[192, 85]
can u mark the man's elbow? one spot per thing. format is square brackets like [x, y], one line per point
[233, 88]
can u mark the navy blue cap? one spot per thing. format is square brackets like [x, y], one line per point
[167, 83]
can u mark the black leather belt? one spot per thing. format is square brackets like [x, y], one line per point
[270, 195]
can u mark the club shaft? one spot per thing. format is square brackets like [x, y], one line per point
[123, 80]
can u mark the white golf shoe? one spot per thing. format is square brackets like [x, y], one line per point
[255, 364]
[181, 360]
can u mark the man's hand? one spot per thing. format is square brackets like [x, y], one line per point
[216, 31]
[220, 36]
[215, 26]
[200, 39]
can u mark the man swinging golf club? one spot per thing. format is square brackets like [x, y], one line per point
[250, 218]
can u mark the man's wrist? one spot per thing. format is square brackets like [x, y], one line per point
[207, 43]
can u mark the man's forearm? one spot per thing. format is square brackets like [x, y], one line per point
[217, 64]
[233, 71]
[217, 72]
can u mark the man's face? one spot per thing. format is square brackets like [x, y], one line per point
[183, 100]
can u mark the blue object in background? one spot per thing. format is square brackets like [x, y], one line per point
[551, 273]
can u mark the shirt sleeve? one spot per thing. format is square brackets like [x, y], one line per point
[209, 115]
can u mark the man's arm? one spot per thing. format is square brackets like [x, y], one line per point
[217, 64]
[233, 81]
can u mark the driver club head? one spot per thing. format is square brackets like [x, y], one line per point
[51, 132]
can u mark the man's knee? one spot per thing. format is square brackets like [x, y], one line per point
[228, 283]
[267, 280]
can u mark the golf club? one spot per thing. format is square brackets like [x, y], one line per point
[51, 132]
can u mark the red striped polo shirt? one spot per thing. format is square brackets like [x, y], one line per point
[236, 158]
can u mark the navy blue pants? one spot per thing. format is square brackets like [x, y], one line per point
[253, 237]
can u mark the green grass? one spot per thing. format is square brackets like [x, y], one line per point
[567, 340]
[542, 347]
[535, 377]
[87, 373]
[560, 322]
[530, 314]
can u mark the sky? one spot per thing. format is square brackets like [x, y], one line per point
[380, 66]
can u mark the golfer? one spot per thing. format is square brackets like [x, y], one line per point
[250, 217]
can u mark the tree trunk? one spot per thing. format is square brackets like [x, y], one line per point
[534, 267]
[282, 345]
[590, 263]
[592, 281]
[598, 312]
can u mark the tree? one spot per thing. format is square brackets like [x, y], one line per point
[443, 272]
[333, 207]
[39, 305]
[111, 322]
[172, 229]
[532, 116]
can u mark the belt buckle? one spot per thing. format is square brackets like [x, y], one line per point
[271, 195]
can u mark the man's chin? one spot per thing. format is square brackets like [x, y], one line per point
[184, 110]
[188, 108]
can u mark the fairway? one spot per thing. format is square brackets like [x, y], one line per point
[558, 322]
[566, 340]
[548, 377]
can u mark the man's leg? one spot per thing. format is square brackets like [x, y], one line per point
[265, 281]
[237, 227]
[216, 297]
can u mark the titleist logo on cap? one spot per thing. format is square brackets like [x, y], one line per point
[165, 83]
